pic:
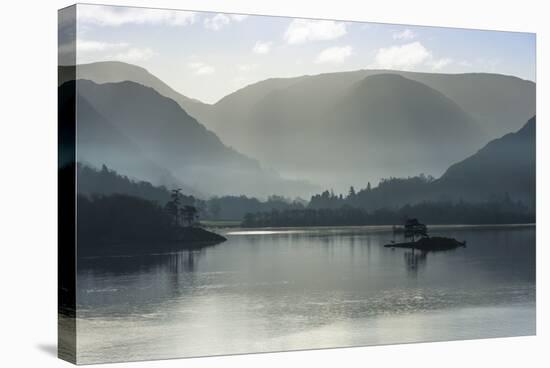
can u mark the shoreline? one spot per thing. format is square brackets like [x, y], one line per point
[377, 228]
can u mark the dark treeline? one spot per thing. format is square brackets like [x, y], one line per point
[120, 218]
[389, 193]
[390, 202]
[122, 223]
[105, 181]
[503, 211]
[236, 207]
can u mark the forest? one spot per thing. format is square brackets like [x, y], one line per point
[503, 211]
[390, 202]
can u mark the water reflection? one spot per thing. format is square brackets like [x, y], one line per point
[414, 260]
[278, 291]
[182, 261]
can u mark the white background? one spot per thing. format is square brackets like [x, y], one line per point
[28, 82]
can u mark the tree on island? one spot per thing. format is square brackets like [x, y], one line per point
[173, 206]
[414, 228]
[182, 215]
[189, 215]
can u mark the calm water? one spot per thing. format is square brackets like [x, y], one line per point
[292, 289]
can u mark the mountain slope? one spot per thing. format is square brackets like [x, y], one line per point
[99, 142]
[116, 71]
[304, 126]
[504, 165]
[406, 125]
[129, 124]
[381, 126]
[497, 101]
[311, 109]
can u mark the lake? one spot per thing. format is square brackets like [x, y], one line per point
[289, 289]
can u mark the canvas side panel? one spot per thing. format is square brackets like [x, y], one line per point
[66, 184]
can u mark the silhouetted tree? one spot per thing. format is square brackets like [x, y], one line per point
[414, 228]
[351, 193]
[189, 215]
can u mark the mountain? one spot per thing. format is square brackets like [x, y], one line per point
[380, 126]
[496, 101]
[322, 128]
[99, 143]
[138, 132]
[309, 104]
[505, 166]
[116, 71]
[406, 126]
[501, 174]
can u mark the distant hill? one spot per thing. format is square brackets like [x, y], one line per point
[100, 142]
[496, 101]
[324, 128]
[324, 122]
[116, 71]
[504, 166]
[502, 173]
[380, 126]
[402, 126]
[134, 129]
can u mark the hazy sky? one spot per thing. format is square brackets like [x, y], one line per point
[209, 55]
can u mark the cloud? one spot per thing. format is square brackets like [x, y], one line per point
[200, 68]
[262, 47]
[303, 30]
[336, 55]
[409, 56]
[402, 57]
[405, 34]
[217, 22]
[247, 67]
[117, 16]
[437, 64]
[220, 20]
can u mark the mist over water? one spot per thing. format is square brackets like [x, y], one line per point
[247, 294]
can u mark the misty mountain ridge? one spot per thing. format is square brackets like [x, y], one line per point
[500, 174]
[499, 178]
[145, 129]
[506, 165]
[100, 142]
[117, 71]
[383, 125]
[321, 127]
[481, 107]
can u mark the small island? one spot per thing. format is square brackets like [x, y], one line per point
[123, 224]
[413, 229]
